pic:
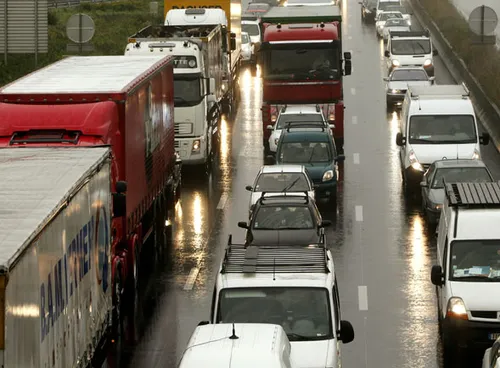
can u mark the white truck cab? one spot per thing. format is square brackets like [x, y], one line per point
[292, 286]
[467, 275]
[410, 49]
[238, 345]
[437, 123]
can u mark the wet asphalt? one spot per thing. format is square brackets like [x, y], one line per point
[382, 251]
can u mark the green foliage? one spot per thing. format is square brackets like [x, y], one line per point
[483, 61]
[114, 22]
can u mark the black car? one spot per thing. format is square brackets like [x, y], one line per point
[368, 10]
[285, 219]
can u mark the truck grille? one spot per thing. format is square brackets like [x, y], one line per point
[484, 314]
[183, 128]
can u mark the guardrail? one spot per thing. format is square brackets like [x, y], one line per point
[52, 4]
[487, 111]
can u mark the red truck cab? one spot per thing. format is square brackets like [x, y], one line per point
[302, 63]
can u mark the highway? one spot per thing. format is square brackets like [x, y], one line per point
[382, 251]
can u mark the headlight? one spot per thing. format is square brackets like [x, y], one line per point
[395, 62]
[476, 155]
[414, 162]
[196, 145]
[456, 309]
[427, 62]
[408, 21]
[328, 175]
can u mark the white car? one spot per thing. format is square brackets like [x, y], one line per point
[491, 358]
[294, 113]
[279, 179]
[398, 80]
[395, 25]
[253, 29]
[247, 54]
[383, 17]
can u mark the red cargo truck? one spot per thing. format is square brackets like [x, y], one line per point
[302, 63]
[119, 101]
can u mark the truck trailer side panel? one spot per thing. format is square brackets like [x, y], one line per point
[58, 294]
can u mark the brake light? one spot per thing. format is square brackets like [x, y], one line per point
[331, 112]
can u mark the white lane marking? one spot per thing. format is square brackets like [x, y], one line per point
[363, 298]
[191, 278]
[353, 91]
[222, 201]
[355, 157]
[359, 213]
[354, 119]
[349, 38]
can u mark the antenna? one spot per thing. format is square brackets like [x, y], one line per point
[233, 336]
[274, 269]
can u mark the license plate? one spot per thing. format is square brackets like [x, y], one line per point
[494, 336]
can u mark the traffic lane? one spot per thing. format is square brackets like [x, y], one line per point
[171, 310]
[489, 153]
[383, 265]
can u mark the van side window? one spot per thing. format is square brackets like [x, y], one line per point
[336, 305]
[445, 256]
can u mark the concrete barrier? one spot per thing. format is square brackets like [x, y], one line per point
[487, 111]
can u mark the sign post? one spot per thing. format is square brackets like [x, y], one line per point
[483, 21]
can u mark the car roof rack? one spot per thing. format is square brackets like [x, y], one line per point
[304, 124]
[473, 195]
[429, 92]
[410, 34]
[309, 258]
[282, 195]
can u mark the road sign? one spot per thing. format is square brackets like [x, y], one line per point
[80, 28]
[483, 20]
[153, 7]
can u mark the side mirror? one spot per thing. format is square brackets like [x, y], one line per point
[423, 184]
[211, 86]
[387, 53]
[119, 205]
[347, 55]
[203, 323]
[269, 127]
[325, 223]
[386, 79]
[400, 140]
[249, 188]
[484, 139]
[233, 41]
[243, 225]
[346, 332]
[121, 186]
[437, 275]
[435, 52]
[348, 67]
[332, 126]
[340, 158]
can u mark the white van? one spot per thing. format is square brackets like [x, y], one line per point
[241, 345]
[293, 286]
[385, 5]
[437, 123]
[467, 275]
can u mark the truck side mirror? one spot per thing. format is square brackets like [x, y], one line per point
[400, 141]
[243, 225]
[348, 67]
[249, 188]
[211, 86]
[437, 275]
[119, 205]
[346, 332]
[387, 53]
[347, 55]
[233, 41]
[121, 186]
[484, 139]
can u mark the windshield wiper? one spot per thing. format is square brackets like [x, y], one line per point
[297, 337]
[288, 187]
[421, 140]
[311, 157]
[180, 99]
[472, 277]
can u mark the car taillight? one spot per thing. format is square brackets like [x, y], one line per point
[274, 113]
[331, 113]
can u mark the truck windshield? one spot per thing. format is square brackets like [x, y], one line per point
[187, 90]
[250, 28]
[304, 152]
[411, 47]
[442, 129]
[301, 62]
[304, 313]
[475, 260]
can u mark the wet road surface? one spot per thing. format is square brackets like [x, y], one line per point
[382, 250]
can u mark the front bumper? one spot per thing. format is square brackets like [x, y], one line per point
[469, 334]
[433, 215]
[325, 189]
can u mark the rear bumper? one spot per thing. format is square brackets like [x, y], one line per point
[469, 334]
[323, 190]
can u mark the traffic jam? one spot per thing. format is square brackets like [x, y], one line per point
[100, 155]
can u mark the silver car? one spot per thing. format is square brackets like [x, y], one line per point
[451, 171]
[491, 358]
[398, 80]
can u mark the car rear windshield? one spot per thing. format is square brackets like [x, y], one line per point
[395, 22]
[283, 217]
[410, 47]
[305, 152]
[309, 118]
[460, 175]
[304, 313]
[475, 260]
[251, 29]
[442, 129]
[409, 75]
[386, 16]
[282, 182]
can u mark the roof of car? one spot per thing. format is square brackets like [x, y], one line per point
[459, 163]
[305, 135]
[301, 109]
[273, 169]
